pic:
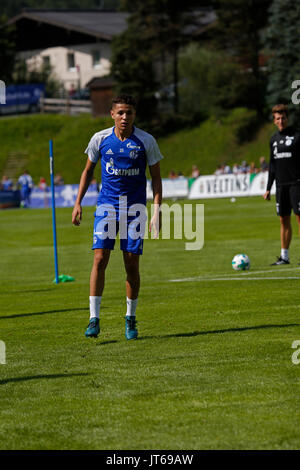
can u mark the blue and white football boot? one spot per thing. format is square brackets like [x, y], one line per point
[93, 328]
[131, 331]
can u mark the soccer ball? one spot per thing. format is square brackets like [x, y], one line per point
[240, 262]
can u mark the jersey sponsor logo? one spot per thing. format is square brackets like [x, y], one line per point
[111, 170]
[109, 152]
[282, 155]
[133, 146]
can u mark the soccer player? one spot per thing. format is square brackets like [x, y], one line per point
[284, 168]
[124, 152]
[26, 184]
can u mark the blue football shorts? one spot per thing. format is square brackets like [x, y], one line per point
[110, 221]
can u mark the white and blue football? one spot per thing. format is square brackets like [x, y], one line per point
[240, 262]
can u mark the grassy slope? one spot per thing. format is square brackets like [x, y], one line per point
[206, 145]
[32, 133]
[212, 368]
[210, 144]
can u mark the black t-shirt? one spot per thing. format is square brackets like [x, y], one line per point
[284, 164]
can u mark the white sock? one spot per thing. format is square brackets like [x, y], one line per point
[131, 307]
[95, 302]
[284, 253]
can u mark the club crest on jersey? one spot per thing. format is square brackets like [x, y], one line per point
[133, 154]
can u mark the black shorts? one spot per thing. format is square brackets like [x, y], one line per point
[288, 198]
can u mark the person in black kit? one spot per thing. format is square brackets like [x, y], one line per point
[284, 168]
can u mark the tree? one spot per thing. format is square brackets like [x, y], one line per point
[168, 29]
[238, 32]
[44, 74]
[281, 40]
[157, 29]
[209, 83]
[132, 68]
[7, 50]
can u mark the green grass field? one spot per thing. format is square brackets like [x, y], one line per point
[212, 368]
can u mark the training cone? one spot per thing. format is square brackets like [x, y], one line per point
[65, 278]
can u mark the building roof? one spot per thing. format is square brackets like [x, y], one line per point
[97, 83]
[46, 28]
[40, 29]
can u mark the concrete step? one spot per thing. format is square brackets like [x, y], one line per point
[15, 164]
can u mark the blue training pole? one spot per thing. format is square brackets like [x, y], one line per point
[53, 208]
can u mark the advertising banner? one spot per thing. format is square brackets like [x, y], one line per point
[9, 199]
[177, 188]
[22, 98]
[65, 196]
[212, 186]
[204, 187]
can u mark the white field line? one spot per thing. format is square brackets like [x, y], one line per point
[269, 271]
[208, 279]
[238, 277]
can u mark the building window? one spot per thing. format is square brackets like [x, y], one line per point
[96, 57]
[71, 61]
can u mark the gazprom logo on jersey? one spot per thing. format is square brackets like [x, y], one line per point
[132, 146]
[2, 92]
[111, 170]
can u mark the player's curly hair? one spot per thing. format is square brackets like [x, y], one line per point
[124, 99]
[281, 109]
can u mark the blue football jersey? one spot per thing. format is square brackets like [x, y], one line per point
[123, 164]
[25, 181]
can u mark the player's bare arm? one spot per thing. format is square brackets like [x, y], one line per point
[267, 195]
[85, 180]
[155, 222]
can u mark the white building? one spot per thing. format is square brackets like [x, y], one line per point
[77, 44]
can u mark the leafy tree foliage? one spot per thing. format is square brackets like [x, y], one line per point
[7, 51]
[281, 40]
[210, 81]
[133, 70]
[44, 74]
[238, 32]
[157, 29]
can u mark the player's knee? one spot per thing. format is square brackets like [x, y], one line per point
[100, 261]
[132, 268]
[285, 221]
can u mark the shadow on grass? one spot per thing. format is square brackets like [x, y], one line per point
[212, 332]
[24, 291]
[45, 313]
[35, 377]
[107, 342]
